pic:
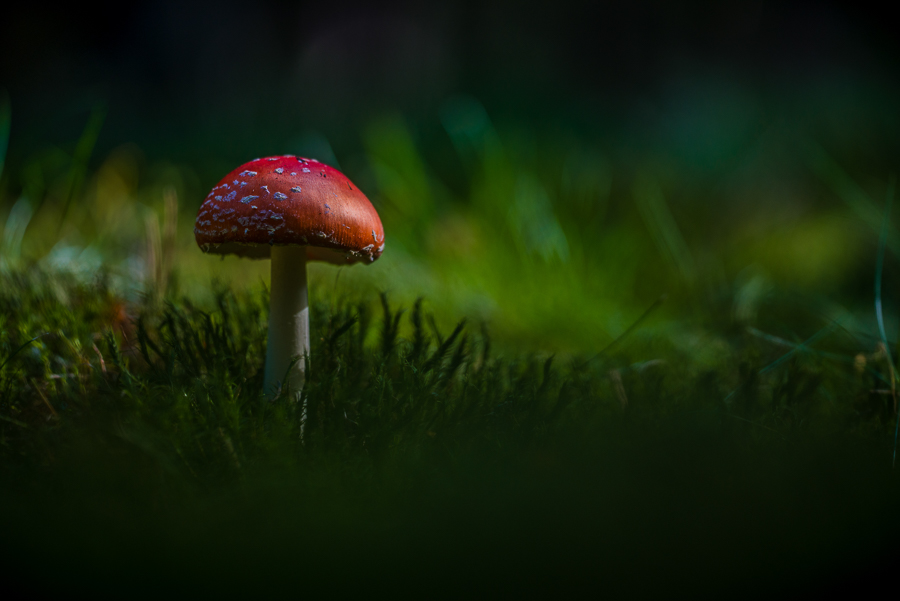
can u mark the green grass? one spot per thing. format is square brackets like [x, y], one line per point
[139, 452]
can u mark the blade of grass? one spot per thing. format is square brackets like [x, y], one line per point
[662, 226]
[18, 350]
[798, 346]
[851, 193]
[795, 348]
[630, 329]
[438, 355]
[343, 329]
[879, 267]
[419, 340]
[80, 158]
[879, 270]
[804, 346]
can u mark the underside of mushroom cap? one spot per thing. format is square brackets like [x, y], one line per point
[288, 200]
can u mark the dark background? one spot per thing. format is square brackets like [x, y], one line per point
[232, 77]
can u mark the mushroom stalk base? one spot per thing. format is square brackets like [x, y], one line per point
[288, 321]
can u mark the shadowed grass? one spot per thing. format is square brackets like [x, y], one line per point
[142, 443]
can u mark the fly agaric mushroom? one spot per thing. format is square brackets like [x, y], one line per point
[291, 210]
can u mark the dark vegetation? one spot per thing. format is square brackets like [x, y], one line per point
[138, 454]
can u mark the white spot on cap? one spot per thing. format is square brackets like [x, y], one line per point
[230, 196]
[266, 188]
[235, 182]
[295, 189]
[247, 173]
[247, 199]
[374, 237]
[293, 173]
[306, 170]
[280, 196]
[218, 198]
[279, 170]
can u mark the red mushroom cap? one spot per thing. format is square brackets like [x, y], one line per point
[288, 200]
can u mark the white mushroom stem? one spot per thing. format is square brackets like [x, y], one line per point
[288, 320]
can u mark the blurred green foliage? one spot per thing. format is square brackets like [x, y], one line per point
[550, 235]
